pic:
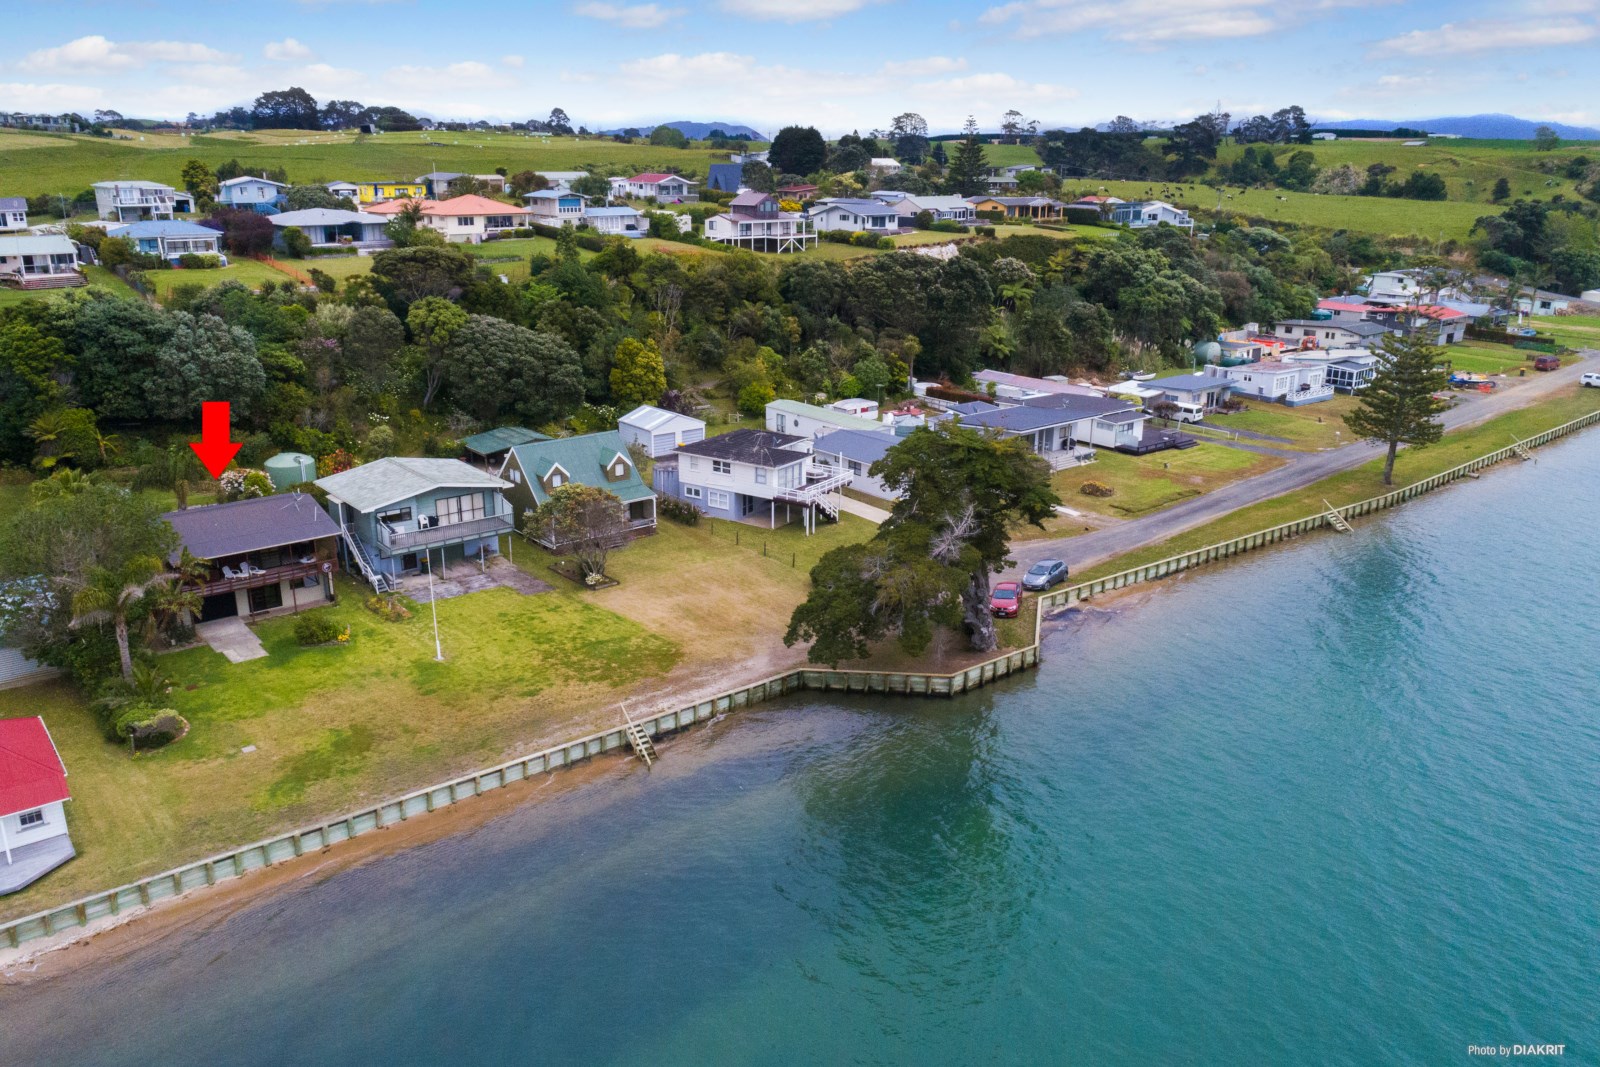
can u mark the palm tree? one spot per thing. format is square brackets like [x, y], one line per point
[52, 432]
[111, 593]
[66, 481]
[182, 595]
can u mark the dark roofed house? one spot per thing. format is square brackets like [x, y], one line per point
[266, 555]
[744, 475]
[725, 177]
[13, 213]
[1065, 422]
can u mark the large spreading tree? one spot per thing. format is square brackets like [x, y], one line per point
[798, 150]
[928, 566]
[1398, 406]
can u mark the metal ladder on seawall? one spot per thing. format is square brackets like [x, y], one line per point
[1521, 450]
[640, 741]
[1336, 518]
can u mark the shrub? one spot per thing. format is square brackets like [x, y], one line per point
[985, 231]
[295, 242]
[144, 727]
[754, 398]
[191, 261]
[1100, 489]
[242, 483]
[388, 607]
[886, 243]
[679, 511]
[947, 226]
[864, 240]
[325, 282]
[838, 237]
[315, 628]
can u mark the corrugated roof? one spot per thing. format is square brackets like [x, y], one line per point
[31, 772]
[32, 245]
[1020, 420]
[500, 439]
[163, 228]
[253, 178]
[387, 481]
[13, 203]
[865, 448]
[219, 530]
[585, 459]
[841, 419]
[324, 216]
[652, 419]
[657, 178]
[1190, 383]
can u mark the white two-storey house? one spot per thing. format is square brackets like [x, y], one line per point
[751, 476]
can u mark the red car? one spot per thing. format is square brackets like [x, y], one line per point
[1005, 600]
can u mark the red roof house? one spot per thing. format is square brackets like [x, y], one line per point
[33, 785]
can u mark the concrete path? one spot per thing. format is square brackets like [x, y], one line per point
[874, 515]
[1303, 469]
[232, 638]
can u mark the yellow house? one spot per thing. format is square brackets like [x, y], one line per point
[1019, 207]
[373, 192]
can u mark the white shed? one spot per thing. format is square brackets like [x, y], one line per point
[658, 430]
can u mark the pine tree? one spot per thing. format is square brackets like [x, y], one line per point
[970, 167]
[1398, 406]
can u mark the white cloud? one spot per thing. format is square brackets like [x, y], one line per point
[632, 17]
[286, 49]
[1144, 22]
[1395, 87]
[793, 10]
[470, 72]
[1485, 35]
[512, 61]
[979, 87]
[98, 54]
[52, 97]
[924, 67]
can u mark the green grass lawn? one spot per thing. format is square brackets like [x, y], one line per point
[1314, 426]
[100, 279]
[1575, 331]
[334, 727]
[340, 267]
[244, 271]
[1148, 483]
[1413, 465]
[1483, 358]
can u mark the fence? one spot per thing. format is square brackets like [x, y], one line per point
[229, 865]
[147, 891]
[1224, 549]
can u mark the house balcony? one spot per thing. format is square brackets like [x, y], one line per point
[248, 576]
[818, 485]
[413, 537]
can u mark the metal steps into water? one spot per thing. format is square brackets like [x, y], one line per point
[1522, 451]
[1336, 518]
[638, 740]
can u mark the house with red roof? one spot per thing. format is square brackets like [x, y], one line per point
[667, 188]
[471, 218]
[1445, 325]
[33, 788]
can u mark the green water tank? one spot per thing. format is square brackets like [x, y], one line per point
[1208, 351]
[290, 468]
[1322, 315]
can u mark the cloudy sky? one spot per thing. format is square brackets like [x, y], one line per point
[838, 64]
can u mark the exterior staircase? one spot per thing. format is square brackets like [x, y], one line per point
[381, 583]
[1336, 518]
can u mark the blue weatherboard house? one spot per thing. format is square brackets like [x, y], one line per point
[257, 194]
[170, 239]
[752, 476]
[395, 513]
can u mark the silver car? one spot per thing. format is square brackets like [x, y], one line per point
[1044, 574]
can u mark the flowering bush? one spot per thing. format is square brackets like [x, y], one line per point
[1096, 489]
[242, 483]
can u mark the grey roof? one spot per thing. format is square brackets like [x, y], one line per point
[1019, 420]
[860, 207]
[1356, 326]
[48, 244]
[1189, 383]
[251, 525]
[325, 216]
[1079, 407]
[133, 183]
[611, 212]
[13, 203]
[764, 448]
[1017, 201]
[440, 176]
[650, 418]
[252, 178]
[725, 176]
[387, 481]
[973, 407]
[853, 444]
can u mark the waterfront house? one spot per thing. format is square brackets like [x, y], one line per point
[755, 222]
[255, 194]
[601, 460]
[171, 238]
[1104, 421]
[942, 208]
[619, 220]
[809, 420]
[39, 262]
[13, 214]
[331, 226]
[265, 555]
[854, 453]
[488, 449]
[1204, 391]
[1143, 214]
[1018, 207]
[33, 792]
[1346, 370]
[396, 512]
[747, 474]
[668, 188]
[136, 201]
[1436, 323]
[1330, 333]
[659, 431]
[854, 215]
[471, 218]
[1291, 384]
[553, 207]
[436, 183]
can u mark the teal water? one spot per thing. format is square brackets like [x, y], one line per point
[1330, 804]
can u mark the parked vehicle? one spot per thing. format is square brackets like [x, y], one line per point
[1044, 574]
[1005, 600]
[1547, 363]
[1188, 413]
[1591, 378]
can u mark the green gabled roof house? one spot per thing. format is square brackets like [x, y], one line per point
[597, 459]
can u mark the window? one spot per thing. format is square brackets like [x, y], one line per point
[555, 481]
[761, 476]
[693, 492]
[463, 221]
[694, 463]
[721, 466]
[31, 818]
[516, 476]
[716, 498]
[402, 515]
[855, 468]
[463, 508]
[266, 597]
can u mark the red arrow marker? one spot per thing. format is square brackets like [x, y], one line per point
[214, 448]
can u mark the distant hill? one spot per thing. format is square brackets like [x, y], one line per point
[1495, 127]
[695, 131]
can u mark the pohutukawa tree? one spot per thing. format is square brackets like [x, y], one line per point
[585, 520]
[928, 566]
[1398, 406]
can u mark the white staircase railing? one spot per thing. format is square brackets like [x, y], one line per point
[640, 741]
[380, 582]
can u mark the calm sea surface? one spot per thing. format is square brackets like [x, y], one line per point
[1332, 804]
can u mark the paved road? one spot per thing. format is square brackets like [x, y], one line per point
[1303, 469]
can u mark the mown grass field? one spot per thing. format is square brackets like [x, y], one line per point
[1314, 426]
[33, 164]
[1576, 331]
[248, 272]
[99, 279]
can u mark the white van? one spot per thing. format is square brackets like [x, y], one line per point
[1591, 378]
[1188, 413]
